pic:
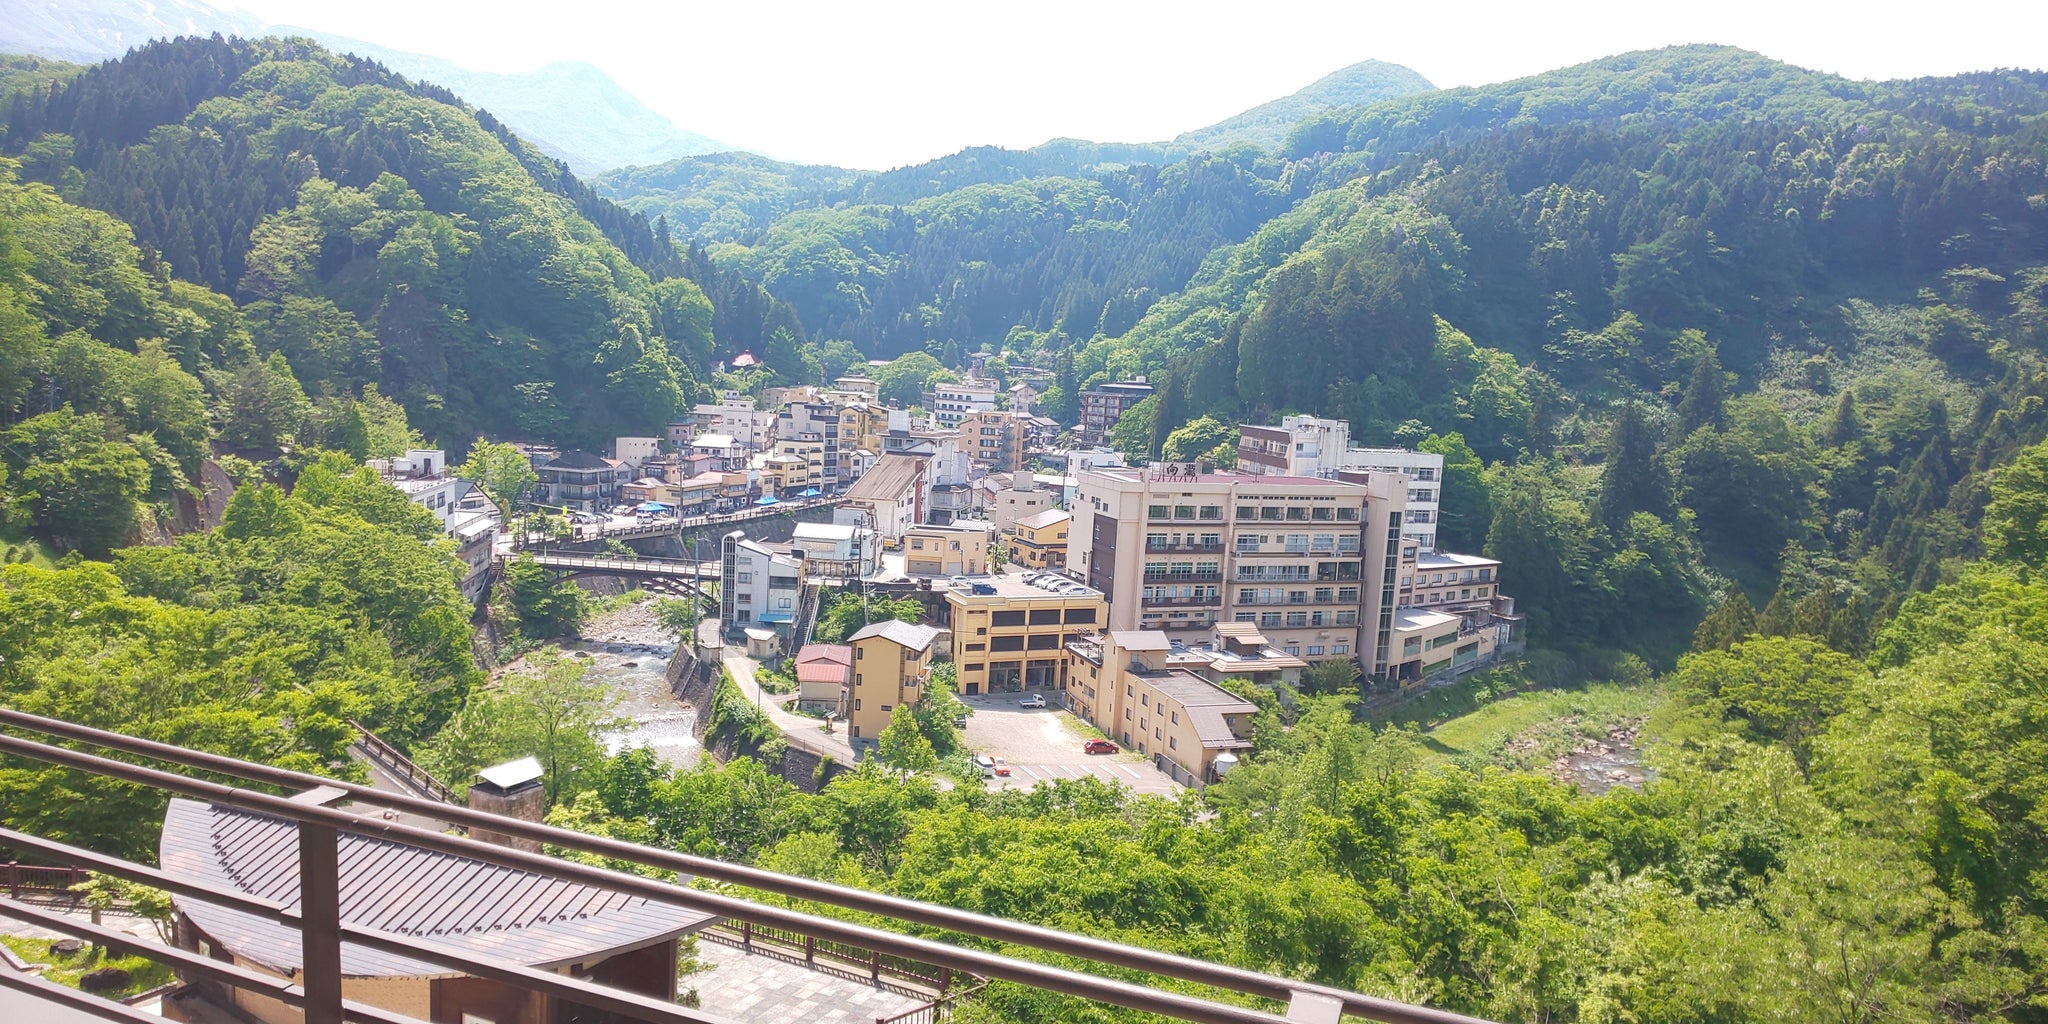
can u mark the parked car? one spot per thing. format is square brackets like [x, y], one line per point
[1036, 700]
[991, 767]
[1002, 767]
[1099, 747]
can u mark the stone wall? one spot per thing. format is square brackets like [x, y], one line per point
[693, 674]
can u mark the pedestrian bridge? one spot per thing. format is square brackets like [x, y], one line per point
[671, 575]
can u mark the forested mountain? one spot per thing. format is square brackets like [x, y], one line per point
[1268, 124]
[379, 232]
[572, 110]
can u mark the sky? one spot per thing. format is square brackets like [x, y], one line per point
[880, 85]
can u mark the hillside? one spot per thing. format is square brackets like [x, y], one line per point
[1269, 123]
[404, 241]
[572, 110]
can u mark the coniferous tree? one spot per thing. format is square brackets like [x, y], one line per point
[1731, 622]
[1776, 619]
[1843, 426]
[1705, 394]
[1633, 480]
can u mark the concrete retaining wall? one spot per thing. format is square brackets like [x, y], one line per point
[693, 674]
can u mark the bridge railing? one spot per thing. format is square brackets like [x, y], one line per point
[317, 918]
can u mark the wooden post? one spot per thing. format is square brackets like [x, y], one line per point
[320, 922]
[810, 949]
[747, 936]
[945, 979]
[875, 967]
[13, 880]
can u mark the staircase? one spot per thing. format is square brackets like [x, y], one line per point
[806, 616]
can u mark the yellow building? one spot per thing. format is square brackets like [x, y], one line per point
[810, 448]
[784, 475]
[995, 439]
[891, 661]
[1010, 632]
[1124, 682]
[1041, 540]
[945, 551]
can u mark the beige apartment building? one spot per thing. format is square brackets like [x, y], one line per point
[891, 662]
[1125, 683]
[1311, 563]
[945, 550]
[995, 439]
[1011, 632]
[1041, 540]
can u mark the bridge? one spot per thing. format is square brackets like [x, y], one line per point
[672, 527]
[668, 575]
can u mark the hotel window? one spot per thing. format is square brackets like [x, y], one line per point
[1297, 618]
[1315, 650]
[1323, 512]
[1340, 649]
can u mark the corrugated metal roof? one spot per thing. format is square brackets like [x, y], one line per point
[483, 910]
[917, 638]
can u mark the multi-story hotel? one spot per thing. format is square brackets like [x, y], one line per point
[995, 439]
[1102, 406]
[1311, 562]
[1316, 447]
[891, 662]
[953, 402]
[1010, 632]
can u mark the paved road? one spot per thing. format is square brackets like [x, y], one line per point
[1044, 745]
[805, 732]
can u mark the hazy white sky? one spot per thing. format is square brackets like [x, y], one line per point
[877, 85]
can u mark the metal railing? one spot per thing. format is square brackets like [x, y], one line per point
[322, 930]
[393, 760]
[892, 973]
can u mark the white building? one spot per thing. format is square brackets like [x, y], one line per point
[838, 550]
[758, 587]
[953, 402]
[1425, 473]
[1309, 446]
[636, 452]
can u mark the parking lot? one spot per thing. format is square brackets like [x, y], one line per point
[1044, 744]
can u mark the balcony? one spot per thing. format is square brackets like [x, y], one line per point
[1182, 602]
[1183, 549]
[1183, 577]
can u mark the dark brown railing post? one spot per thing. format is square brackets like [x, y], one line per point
[945, 979]
[747, 936]
[13, 880]
[875, 967]
[320, 922]
[810, 949]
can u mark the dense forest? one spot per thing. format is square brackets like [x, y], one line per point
[1738, 368]
[379, 232]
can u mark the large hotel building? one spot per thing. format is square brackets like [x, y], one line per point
[1313, 563]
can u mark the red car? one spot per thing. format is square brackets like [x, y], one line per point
[1099, 747]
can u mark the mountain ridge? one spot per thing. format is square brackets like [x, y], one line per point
[571, 110]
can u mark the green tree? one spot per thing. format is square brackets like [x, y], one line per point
[547, 708]
[547, 608]
[902, 743]
[258, 404]
[1782, 689]
[80, 489]
[1731, 622]
[1201, 438]
[1705, 393]
[1465, 505]
[1132, 434]
[1632, 479]
[504, 473]
[2016, 521]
